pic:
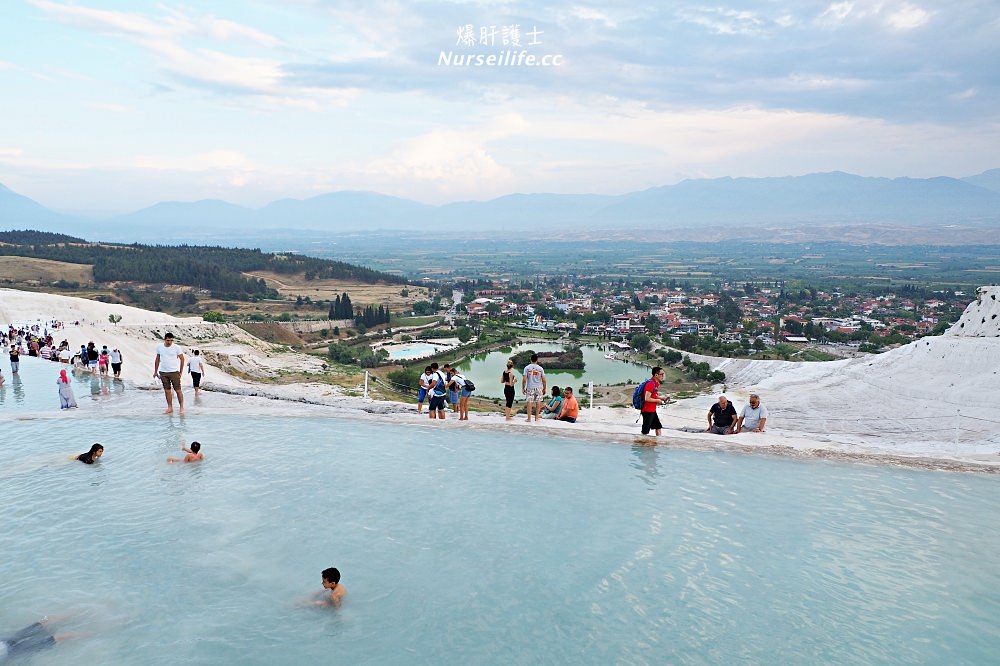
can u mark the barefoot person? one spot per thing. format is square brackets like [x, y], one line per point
[509, 380]
[196, 366]
[167, 367]
[194, 454]
[533, 386]
[650, 399]
[66, 398]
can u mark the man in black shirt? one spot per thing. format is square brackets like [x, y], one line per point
[724, 416]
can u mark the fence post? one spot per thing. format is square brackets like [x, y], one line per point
[590, 389]
[366, 384]
[958, 426]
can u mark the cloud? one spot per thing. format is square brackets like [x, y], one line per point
[113, 108]
[167, 39]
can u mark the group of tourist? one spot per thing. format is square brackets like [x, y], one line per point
[443, 385]
[722, 416]
[38, 342]
[168, 365]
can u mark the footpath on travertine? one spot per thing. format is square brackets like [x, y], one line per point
[922, 400]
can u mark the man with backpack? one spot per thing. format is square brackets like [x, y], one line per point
[650, 399]
[460, 385]
[437, 391]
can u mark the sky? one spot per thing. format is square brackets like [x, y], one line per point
[109, 106]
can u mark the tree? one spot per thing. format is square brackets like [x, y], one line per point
[114, 319]
[213, 317]
[464, 334]
[640, 341]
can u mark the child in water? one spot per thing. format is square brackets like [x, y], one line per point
[91, 456]
[194, 454]
[331, 582]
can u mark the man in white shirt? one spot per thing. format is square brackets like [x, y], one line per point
[167, 367]
[753, 417]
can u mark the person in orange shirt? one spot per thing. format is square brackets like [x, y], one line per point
[570, 407]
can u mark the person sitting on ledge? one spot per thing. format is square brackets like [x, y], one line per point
[753, 417]
[570, 409]
[724, 415]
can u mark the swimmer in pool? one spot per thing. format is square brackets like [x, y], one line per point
[91, 456]
[194, 454]
[29, 640]
[331, 582]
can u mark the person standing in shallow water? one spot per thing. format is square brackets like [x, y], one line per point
[167, 367]
[15, 359]
[66, 398]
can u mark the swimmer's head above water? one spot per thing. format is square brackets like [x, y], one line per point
[91, 456]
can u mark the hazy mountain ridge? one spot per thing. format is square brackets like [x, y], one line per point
[825, 198]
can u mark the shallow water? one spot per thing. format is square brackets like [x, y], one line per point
[471, 546]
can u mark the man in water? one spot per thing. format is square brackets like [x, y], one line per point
[331, 582]
[167, 367]
[29, 640]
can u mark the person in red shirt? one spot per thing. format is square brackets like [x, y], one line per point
[651, 398]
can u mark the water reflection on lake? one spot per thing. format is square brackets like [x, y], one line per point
[485, 369]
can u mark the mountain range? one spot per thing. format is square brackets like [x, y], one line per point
[793, 201]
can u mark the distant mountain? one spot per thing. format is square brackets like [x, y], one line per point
[19, 212]
[822, 198]
[207, 212]
[341, 210]
[988, 179]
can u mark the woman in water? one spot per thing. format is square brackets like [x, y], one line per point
[91, 456]
[66, 398]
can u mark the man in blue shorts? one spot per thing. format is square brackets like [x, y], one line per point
[437, 391]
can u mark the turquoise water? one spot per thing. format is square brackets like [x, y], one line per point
[402, 352]
[34, 387]
[485, 370]
[461, 545]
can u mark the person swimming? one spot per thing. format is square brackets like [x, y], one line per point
[194, 454]
[29, 640]
[91, 456]
[331, 582]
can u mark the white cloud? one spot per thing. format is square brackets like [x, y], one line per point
[721, 21]
[7, 65]
[908, 17]
[113, 108]
[895, 14]
[8, 153]
[225, 160]
[224, 72]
